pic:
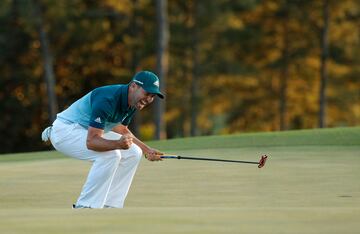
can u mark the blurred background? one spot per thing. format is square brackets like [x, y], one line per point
[226, 66]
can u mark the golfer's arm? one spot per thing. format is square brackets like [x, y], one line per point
[122, 129]
[96, 142]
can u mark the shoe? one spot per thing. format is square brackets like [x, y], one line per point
[109, 207]
[74, 206]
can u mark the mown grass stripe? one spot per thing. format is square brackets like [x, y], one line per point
[330, 136]
[334, 136]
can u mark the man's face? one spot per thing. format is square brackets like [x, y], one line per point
[139, 98]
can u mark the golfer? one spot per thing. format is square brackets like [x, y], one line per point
[94, 128]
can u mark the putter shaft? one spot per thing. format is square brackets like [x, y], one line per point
[207, 159]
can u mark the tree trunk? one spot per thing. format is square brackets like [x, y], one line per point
[195, 71]
[162, 60]
[323, 66]
[136, 121]
[284, 77]
[47, 61]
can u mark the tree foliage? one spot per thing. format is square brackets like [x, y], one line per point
[234, 66]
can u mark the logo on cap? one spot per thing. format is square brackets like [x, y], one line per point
[156, 83]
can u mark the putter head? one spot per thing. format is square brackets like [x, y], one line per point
[262, 161]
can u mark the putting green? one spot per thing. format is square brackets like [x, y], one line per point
[310, 184]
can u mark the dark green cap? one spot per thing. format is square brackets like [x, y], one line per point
[149, 82]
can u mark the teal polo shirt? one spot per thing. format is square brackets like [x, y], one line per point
[103, 108]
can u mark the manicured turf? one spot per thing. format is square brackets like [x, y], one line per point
[309, 185]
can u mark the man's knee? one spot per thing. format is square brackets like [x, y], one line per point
[136, 151]
[113, 156]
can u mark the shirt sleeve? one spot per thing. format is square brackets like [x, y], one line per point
[100, 113]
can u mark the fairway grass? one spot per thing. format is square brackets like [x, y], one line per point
[309, 185]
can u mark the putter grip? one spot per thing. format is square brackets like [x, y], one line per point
[168, 156]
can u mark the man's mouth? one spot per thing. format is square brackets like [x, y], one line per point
[141, 104]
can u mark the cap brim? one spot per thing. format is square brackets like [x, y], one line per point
[157, 92]
[160, 95]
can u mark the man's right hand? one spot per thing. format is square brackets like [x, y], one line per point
[125, 141]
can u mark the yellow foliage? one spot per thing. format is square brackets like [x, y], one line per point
[313, 62]
[172, 114]
[338, 69]
[19, 93]
[147, 131]
[120, 6]
[35, 44]
[235, 22]
[105, 24]
[100, 45]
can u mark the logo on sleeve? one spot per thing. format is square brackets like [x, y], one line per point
[98, 120]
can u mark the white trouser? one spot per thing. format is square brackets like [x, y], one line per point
[112, 171]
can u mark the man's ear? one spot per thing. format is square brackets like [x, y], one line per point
[133, 85]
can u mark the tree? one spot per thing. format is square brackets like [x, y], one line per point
[323, 65]
[236, 66]
[162, 63]
[284, 77]
[194, 91]
[135, 60]
[47, 58]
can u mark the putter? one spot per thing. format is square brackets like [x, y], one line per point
[261, 162]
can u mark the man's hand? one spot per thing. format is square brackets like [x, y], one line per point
[125, 141]
[153, 155]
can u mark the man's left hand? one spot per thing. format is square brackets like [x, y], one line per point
[153, 155]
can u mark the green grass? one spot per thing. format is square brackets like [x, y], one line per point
[330, 136]
[309, 185]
